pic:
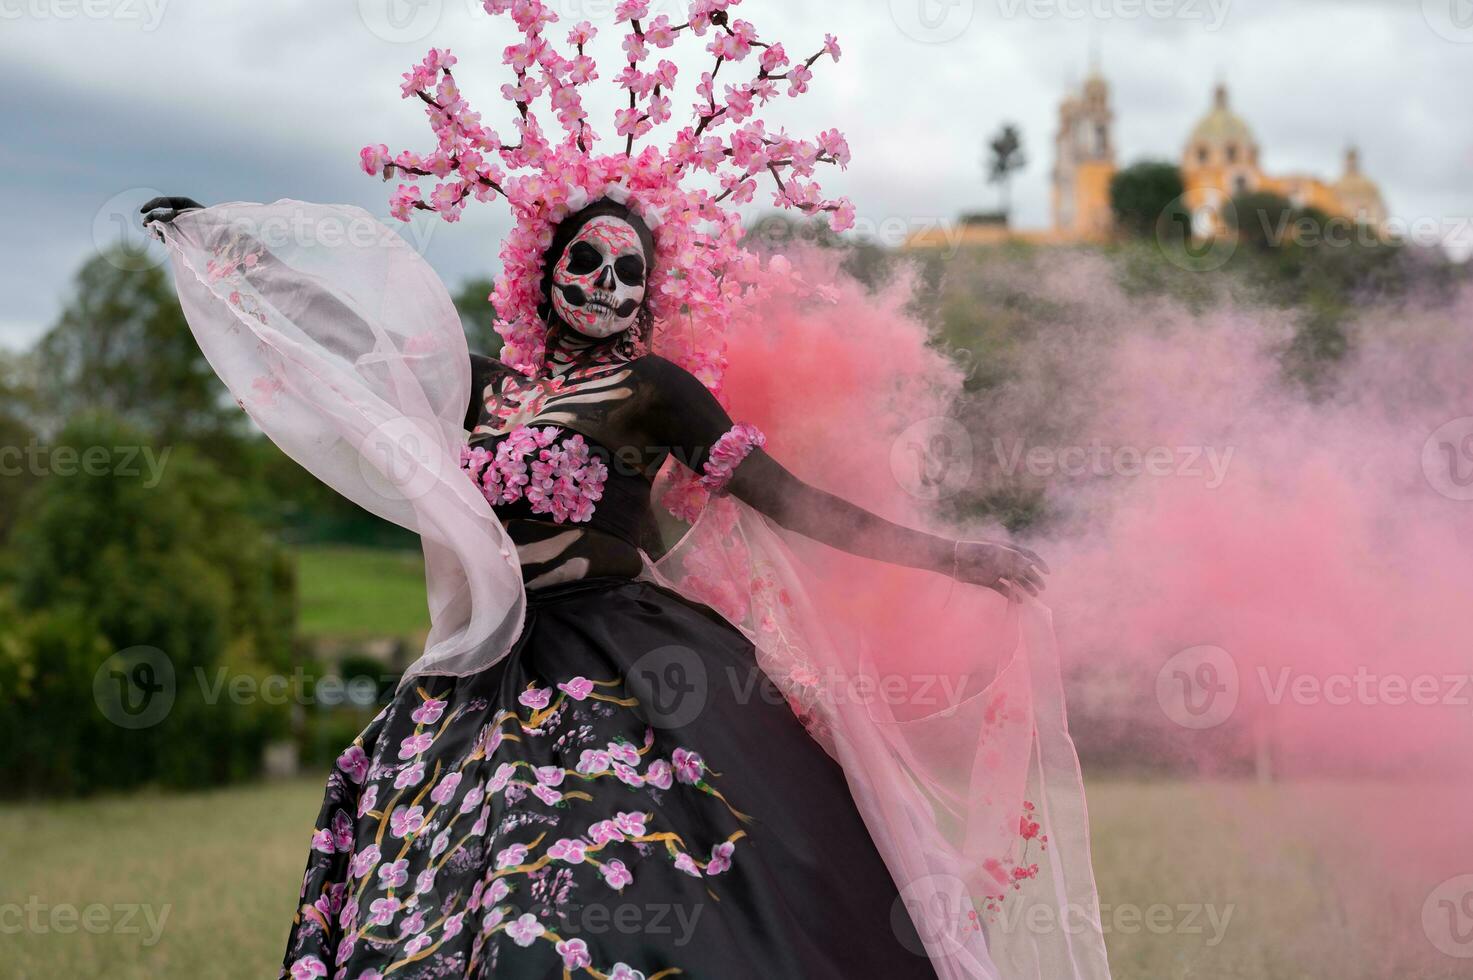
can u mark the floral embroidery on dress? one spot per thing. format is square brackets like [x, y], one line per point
[418, 817]
[555, 475]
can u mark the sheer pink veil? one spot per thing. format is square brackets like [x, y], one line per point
[345, 349]
[943, 703]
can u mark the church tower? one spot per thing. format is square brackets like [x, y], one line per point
[1084, 163]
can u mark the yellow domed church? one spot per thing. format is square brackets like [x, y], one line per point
[1221, 160]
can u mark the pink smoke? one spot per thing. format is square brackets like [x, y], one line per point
[1326, 555]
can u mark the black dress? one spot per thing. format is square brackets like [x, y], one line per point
[624, 795]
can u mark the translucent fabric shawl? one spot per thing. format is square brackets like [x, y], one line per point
[345, 349]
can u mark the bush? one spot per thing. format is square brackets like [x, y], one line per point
[166, 563]
[1146, 199]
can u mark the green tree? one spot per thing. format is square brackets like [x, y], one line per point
[1265, 221]
[17, 409]
[120, 556]
[1146, 199]
[122, 345]
[1005, 157]
[478, 316]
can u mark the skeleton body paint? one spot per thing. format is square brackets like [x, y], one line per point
[599, 281]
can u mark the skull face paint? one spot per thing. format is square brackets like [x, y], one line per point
[599, 281]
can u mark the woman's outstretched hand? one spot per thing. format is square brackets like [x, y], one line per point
[166, 209]
[1005, 568]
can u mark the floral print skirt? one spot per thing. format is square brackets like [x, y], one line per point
[624, 796]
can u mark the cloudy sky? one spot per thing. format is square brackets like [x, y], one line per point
[105, 101]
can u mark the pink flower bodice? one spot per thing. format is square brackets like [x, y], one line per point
[554, 472]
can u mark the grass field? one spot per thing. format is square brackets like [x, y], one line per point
[1188, 892]
[360, 593]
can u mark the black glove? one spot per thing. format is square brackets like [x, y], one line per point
[166, 209]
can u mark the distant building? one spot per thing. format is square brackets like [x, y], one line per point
[1084, 162]
[1221, 160]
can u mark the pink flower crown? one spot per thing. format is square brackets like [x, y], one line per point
[701, 275]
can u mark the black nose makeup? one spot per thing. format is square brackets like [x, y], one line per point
[605, 278]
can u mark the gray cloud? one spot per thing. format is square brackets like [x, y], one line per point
[261, 99]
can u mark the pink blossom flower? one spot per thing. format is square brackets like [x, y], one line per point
[394, 874]
[307, 968]
[511, 857]
[593, 761]
[374, 158]
[720, 858]
[502, 776]
[635, 48]
[406, 821]
[410, 776]
[578, 688]
[536, 698]
[616, 875]
[547, 794]
[446, 788]
[551, 775]
[631, 10]
[730, 450]
[627, 775]
[570, 850]
[364, 861]
[453, 926]
[688, 766]
[574, 953]
[354, 763]
[624, 752]
[605, 832]
[405, 199]
[686, 863]
[798, 78]
[415, 744]
[623, 971]
[429, 712]
[381, 911]
[632, 824]
[831, 46]
[658, 774]
[525, 930]
[412, 924]
[660, 32]
[477, 794]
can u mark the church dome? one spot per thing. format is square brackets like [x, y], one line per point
[1222, 126]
